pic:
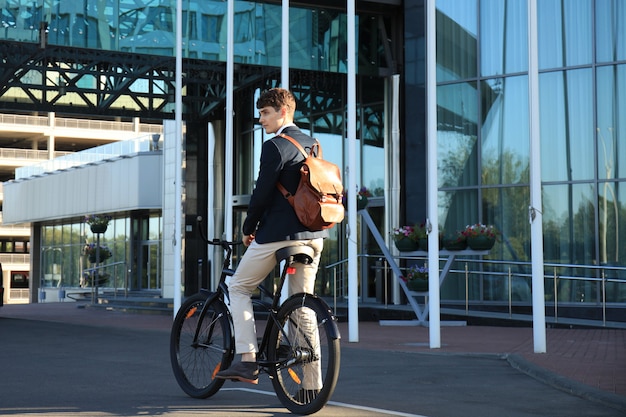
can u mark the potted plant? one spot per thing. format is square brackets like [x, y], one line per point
[416, 278]
[405, 238]
[480, 236]
[91, 250]
[421, 234]
[362, 198]
[98, 222]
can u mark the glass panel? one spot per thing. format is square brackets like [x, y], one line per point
[457, 209]
[457, 130]
[611, 96]
[612, 209]
[565, 32]
[610, 30]
[317, 36]
[503, 37]
[568, 224]
[506, 209]
[505, 138]
[566, 102]
[457, 28]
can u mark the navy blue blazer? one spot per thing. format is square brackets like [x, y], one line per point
[270, 217]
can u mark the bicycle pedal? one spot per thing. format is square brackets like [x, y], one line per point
[249, 381]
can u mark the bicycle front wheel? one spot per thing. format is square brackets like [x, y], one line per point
[304, 345]
[201, 344]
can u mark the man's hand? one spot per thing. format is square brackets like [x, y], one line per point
[247, 240]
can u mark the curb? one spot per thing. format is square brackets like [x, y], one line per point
[562, 383]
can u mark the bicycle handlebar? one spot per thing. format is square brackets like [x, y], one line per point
[216, 242]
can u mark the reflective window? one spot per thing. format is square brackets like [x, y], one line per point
[611, 128]
[504, 134]
[503, 37]
[457, 29]
[610, 30]
[567, 131]
[611, 204]
[317, 36]
[568, 223]
[457, 133]
[565, 32]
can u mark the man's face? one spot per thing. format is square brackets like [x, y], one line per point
[270, 119]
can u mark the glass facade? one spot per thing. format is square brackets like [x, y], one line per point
[317, 36]
[134, 263]
[483, 138]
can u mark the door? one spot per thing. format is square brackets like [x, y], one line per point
[150, 266]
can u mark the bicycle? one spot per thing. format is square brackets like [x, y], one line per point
[202, 340]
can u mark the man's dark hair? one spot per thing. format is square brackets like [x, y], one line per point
[277, 98]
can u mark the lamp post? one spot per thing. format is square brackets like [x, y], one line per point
[97, 230]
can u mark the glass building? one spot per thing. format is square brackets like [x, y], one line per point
[115, 60]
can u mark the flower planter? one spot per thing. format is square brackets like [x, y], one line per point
[98, 228]
[480, 242]
[93, 260]
[361, 202]
[420, 285]
[406, 245]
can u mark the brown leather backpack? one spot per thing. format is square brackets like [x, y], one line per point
[317, 200]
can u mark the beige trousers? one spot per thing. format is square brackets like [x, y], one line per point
[257, 262]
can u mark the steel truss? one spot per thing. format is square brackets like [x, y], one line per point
[102, 83]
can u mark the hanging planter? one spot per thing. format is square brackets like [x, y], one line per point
[98, 223]
[92, 253]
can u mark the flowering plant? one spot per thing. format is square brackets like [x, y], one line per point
[420, 231]
[91, 250]
[364, 192]
[401, 232]
[416, 272]
[480, 229]
[97, 220]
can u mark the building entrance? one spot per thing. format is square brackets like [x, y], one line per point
[149, 267]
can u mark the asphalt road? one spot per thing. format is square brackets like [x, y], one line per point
[58, 369]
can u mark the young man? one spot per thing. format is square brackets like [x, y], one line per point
[270, 224]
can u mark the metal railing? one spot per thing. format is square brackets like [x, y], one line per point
[69, 123]
[492, 282]
[93, 155]
[90, 274]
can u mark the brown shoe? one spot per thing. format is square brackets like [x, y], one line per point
[242, 371]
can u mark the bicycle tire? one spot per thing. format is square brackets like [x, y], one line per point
[295, 383]
[195, 364]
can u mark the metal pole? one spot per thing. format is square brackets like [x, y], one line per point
[178, 149]
[284, 45]
[510, 295]
[556, 295]
[535, 207]
[603, 297]
[433, 215]
[466, 289]
[353, 283]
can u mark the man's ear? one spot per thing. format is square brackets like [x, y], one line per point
[283, 112]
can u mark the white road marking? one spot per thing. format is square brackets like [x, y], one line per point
[336, 403]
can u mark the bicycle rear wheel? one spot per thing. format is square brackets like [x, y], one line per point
[196, 359]
[305, 347]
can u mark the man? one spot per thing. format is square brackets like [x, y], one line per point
[271, 224]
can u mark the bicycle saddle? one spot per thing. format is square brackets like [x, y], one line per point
[301, 254]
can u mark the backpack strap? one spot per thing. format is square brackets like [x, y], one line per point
[280, 187]
[317, 146]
